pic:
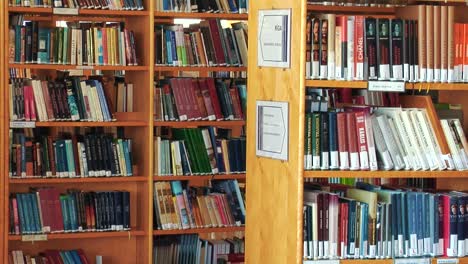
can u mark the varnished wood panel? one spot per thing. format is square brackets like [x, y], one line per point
[2, 135]
[274, 196]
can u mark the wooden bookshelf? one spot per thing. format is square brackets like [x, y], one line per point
[180, 124]
[81, 12]
[229, 229]
[240, 176]
[104, 180]
[61, 67]
[386, 174]
[226, 16]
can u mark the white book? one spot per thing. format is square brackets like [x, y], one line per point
[176, 158]
[39, 101]
[381, 145]
[444, 160]
[425, 136]
[390, 141]
[418, 149]
[350, 50]
[74, 33]
[399, 143]
[331, 46]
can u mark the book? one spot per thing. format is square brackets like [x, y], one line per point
[64, 256]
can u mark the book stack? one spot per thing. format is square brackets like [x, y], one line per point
[357, 138]
[46, 210]
[100, 4]
[204, 44]
[79, 43]
[75, 256]
[198, 151]
[386, 3]
[200, 99]
[380, 222]
[124, 100]
[203, 6]
[457, 143]
[183, 207]
[430, 49]
[170, 249]
[71, 99]
[91, 155]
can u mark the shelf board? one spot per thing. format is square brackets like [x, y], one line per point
[75, 67]
[159, 68]
[239, 176]
[336, 84]
[442, 86]
[198, 230]
[81, 12]
[182, 124]
[352, 9]
[124, 179]
[385, 174]
[85, 235]
[226, 16]
[92, 124]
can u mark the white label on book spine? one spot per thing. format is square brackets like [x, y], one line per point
[306, 249]
[326, 249]
[443, 75]
[406, 72]
[364, 159]
[316, 162]
[315, 248]
[430, 75]
[331, 66]
[334, 160]
[465, 72]
[386, 86]
[372, 251]
[406, 248]
[466, 246]
[320, 251]
[364, 247]
[397, 71]
[342, 249]
[450, 75]
[354, 156]
[22, 124]
[427, 245]
[333, 250]
[412, 261]
[384, 72]
[413, 250]
[452, 249]
[325, 164]
[65, 11]
[389, 248]
[461, 248]
[401, 245]
[352, 248]
[359, 71]
[437, 73]
[447, 261]
[310, 245]
[440, 250]
[387, 160]
[315, 70]
[323, 71]
[422, 75]
[344, 161]
[420, 246]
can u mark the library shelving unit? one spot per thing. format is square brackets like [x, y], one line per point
[235, 125]
[133, 246]
[274, 227]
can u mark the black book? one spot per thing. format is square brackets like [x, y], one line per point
[35, 40]
[89, 155]
[203, 6]
[106, 156]
[28, 40]
[126, 210]
[76, 87]
[158, 44]
[213, 6]
[371, 47]
[383, 48]
[118, 210]
[100, 157]
[324, 142]
[111, 211]
[396, 51]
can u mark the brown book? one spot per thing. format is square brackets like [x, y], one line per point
[207, 99]
[204, 211]
[342, 140]
[189, 49]
[451, 43]
[422, 47]
[180, 103]
[429, 43]
[437, 42]
[443, 43]
[200, 102]
[158, 111]
[189, 94]
[315, 34]
[308, 47]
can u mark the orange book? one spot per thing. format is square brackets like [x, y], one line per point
[429, 43]
[422, 50]
[457, 60]
[443, 43]
[436, 44]
[451, 43]
[465, 52]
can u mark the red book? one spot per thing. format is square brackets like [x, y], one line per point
[105, 51]
[82, 256]
[362, 140]
[200, 100]
[50, 147]
[342, 140]
[48, 103]
[207, 99]
[359, 47]
[221, 210]
[352, 141]
[214, 98]
[191, 99]
[27, 104]
[29, 158]
[42, 193]
[465, 53]
[181, 105]
[218, 48]
[14, 202]
[345, 96]
[236, 103]
[58, 219]
[445, 212]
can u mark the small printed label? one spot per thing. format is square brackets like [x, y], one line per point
[22, 124]
[329, 261]
[412, 261]
[84, 67]
[65, 11]
[29, 238]
[447, 261]
[75, 73]
[386, 86]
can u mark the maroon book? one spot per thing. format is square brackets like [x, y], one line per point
[218, 46]
[214, 98]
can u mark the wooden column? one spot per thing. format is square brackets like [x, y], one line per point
[274, 188]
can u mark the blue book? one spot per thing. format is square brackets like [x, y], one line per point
[420, 221]
[169, 47]
[126, 210]
[128, 162]
[219, 156]
[351, 226]
[103, 102]
[43, 53]
[18, 43]
[65, 213]
[75, 256]
[24, 227]
[73, 212]
[58, 164]
[235, 186]
[232, 6]
[364, 229]
[165, 5]
[404, 217]
[70, 157]
[27, 207]
[177, 61]
[35, 211]
[412, 223]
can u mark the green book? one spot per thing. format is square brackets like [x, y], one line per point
[316, 122]
[65, 46]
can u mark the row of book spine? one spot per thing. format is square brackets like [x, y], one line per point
[383, 222]
[374, 3]
[75, 256]
[46, 210]
[191, 99]
[182, 207]
[71, 99]
[203, 6]
[77, 44]
[69, 156]
[404, 139]
[86, 4]
[173, 157]
[194, 249]
[203, 44]
[430, 49]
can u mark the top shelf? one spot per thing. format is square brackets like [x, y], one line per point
[409, 86]
[352, 9]
[226, 16]
[81, 12]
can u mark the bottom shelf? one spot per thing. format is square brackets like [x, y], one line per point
[198, 230]
[462, 260]
[46, 237]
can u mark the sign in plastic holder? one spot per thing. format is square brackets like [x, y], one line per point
[32, 238]
[412, 261]
[22, 124]
[447, 261]
[65, 11]
[386, 86]
[325, 261]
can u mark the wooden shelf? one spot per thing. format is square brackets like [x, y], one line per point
[81, 12]
[84, 235]
[198, 230]
[226, 16]
[78, 180]
[342, 84]
[92, 124]
[158, 68]
[442, 86]
[59, 67]
[352, 9]
[239, 176]
[385, 174]
[182, 124]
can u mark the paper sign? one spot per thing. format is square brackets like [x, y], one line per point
[272, 129]
[22, 124]
[386, 86]
[65, 11]
[412, 261]
[29, 238]
[328, 261]
[274, 38]
[447, 261]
